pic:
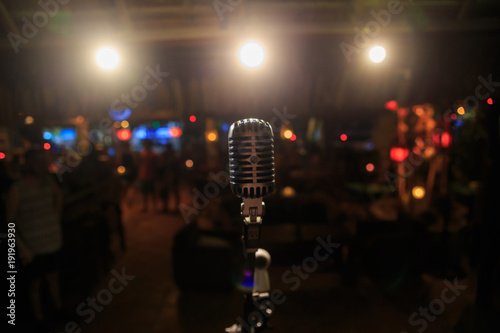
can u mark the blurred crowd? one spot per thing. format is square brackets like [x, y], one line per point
[69, 220]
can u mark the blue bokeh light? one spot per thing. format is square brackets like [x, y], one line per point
[47, 136]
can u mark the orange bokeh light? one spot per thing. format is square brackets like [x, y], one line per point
[176, 132]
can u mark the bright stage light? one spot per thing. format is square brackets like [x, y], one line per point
[377, 54]
[252, 55]
[107, 58]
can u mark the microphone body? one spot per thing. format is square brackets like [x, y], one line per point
[251, 158]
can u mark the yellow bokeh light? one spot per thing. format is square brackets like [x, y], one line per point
[288, 192]
[121, 169]
[418, 192]
[461, 110]
[124, 124]
[212, 136]
[107, 58]
[29, 120]
[287, 134]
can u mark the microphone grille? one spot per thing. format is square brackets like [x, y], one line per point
[251, 158]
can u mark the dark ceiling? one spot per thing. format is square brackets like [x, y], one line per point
[436, 51]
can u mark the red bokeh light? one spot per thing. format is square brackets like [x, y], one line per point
[489, 101]
[436, 139]
[453, 116]
[293, 137]
[176, 132]
[398, 154]
[370, 167]
[54, 168]
[124, 134]
[343, 137]
[2, 156]
[445, 139]
[192, 118]
[46, 146]
[392, 106]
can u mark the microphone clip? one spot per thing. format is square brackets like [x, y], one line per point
[252, 209]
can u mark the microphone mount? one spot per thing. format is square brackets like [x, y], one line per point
[252, 211]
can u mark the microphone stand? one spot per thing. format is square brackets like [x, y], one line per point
[256, 308]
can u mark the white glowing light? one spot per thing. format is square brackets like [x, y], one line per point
[252, 55]
[377, 54]
[107, 58]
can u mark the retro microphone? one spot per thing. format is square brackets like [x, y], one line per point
[251, 172]
[251, 158]
[251, 162]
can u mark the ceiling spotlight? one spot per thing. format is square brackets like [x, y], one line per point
[252, 55]
[377, 54]
[107, 58]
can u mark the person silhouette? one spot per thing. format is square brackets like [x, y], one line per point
[170, 174]
[34, 205]
[148, 172]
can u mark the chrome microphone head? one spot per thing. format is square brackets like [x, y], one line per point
[251, 158]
